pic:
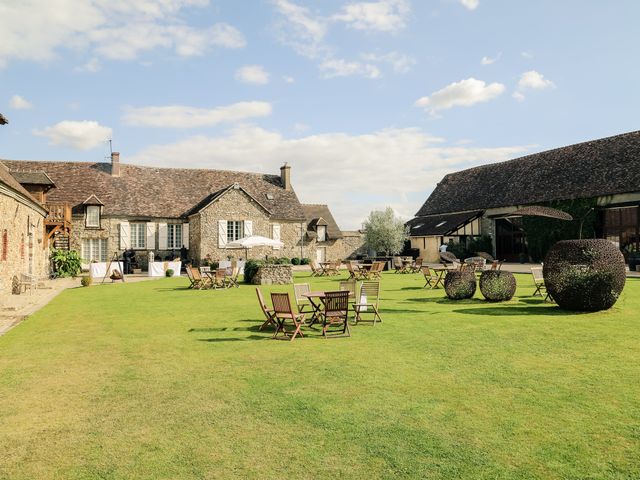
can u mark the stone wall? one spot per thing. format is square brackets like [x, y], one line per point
[110, 230]
[24, 226]
[273, 275]
[237, 205]
[347, 247]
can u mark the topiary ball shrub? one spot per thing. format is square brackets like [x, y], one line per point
[169, 272]
[86, 281]
[497, 286]
[584, 275]
[459, 285]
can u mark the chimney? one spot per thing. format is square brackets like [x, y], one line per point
[115, 164]
[285, 176]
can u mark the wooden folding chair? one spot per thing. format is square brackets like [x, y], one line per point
[398, 265]
[336, 312]
[194, 282]
[431, 278]
[232, 281]
[368, 302]
[316, 269]
[351, 269]
[200, 282]
[538, 281]
[268, 312]
[376, 271]
[282, 313]
[303, 303]
[417, 265]
[220, 280]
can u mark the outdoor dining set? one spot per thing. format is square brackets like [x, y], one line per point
[204, 278]
[329, 309]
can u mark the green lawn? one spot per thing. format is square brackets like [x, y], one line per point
[150, 380]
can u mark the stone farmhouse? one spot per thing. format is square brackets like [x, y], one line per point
[481, 200]
[23, 245]
[325, 239]
[105, 208]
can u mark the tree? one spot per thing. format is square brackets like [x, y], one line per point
[384, 232]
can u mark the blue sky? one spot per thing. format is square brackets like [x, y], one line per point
[371, 102]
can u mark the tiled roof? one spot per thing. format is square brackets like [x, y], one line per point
[314, 212]
[33, 178]
[439, 224]
[591, 169]
[157, 192]
[12, 183]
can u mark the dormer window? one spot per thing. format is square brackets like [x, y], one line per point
[92, 216]
[322, 233]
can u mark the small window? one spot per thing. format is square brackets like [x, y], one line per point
[418, 226]
[138, 235]
[174, 236]
[93, 216]
[322, 233]
[94, 249]
[441, 223]
[235, 230]
[5, 245]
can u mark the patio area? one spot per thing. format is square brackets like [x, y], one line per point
[152, 379]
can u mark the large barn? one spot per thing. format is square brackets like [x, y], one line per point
[481, 200]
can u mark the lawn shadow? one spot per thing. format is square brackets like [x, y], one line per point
[253, 328]
[518, 310]
[447, 301]
[234, 339]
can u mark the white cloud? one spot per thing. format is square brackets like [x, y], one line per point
[180, 116]
[301, 30]
[464, 93]
[531, 80]
[305, 31]
[37, 30]
[300, 127]
[254, 74]
[527, 55]
[288, 79]
[80, 135]
[425, 160]
[470, 4]
[400, 62]
[490, 60]
[19, 103]
[92, 66]
[337, 67]
[383, 15]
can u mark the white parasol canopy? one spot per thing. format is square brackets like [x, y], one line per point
[255, 241]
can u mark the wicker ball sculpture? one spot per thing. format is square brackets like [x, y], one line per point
[460, 284]
[584, 275]
[497, 286]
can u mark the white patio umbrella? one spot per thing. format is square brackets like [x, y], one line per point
[254, 241]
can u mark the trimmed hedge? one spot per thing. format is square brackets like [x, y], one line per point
[460, 285]
[584, 275]
[497, 285]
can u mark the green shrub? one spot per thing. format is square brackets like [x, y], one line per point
[86, 281]
[169, 272]
[584, 275]
[250, 269]
[295, 261]
[66, 263]
[305, 261]
[497, 286]
[284, 261]
[459, 285]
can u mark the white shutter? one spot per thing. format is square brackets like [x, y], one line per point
[162, 236]
[248, 228]
[275, 234]
[151, 236]
[185, 235]
[222, 233]
[125, 238]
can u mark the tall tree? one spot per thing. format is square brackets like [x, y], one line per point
[384, 232]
